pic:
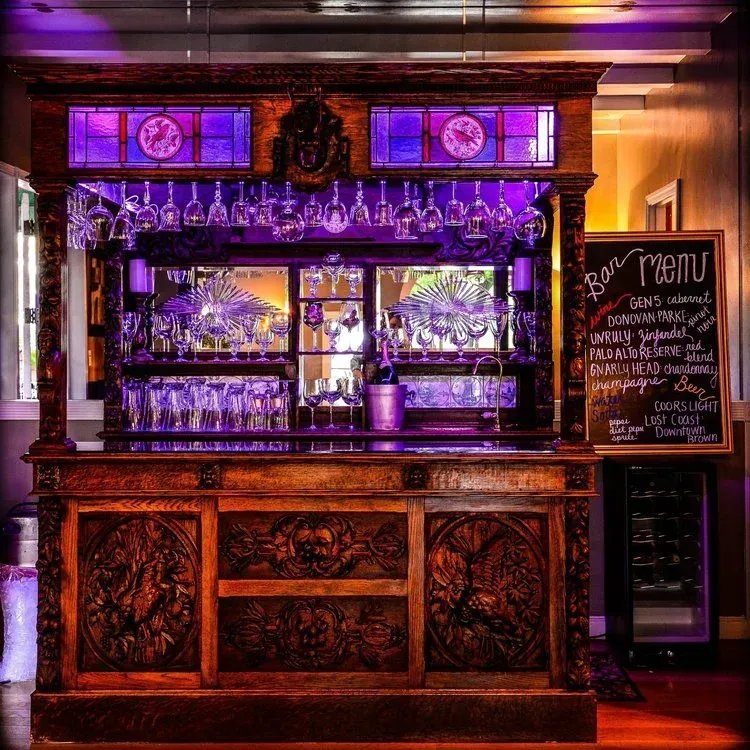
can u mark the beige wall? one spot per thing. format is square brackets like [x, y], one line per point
[601, 200]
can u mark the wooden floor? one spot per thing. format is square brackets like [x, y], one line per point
[683, 711]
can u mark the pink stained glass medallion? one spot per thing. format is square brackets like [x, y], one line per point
[159, 137]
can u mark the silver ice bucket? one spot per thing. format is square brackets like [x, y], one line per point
[385, 406]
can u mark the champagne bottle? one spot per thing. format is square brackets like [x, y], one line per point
[386, 374]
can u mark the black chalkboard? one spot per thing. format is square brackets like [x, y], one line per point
[656, 343]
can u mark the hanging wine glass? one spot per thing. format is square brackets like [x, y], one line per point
[281, 324]
[252, 203]
[240, 210]
[406, 218]
[288, 225]
[431, 219]
[335, 218]
[383, 209]
[359, 214]
[334, 265]
[313, 277]
[529, 224]
[454, 209]
[274, 199]
[100, 217]
[122, 226]
[147, 217]
[502, 214]
[477, 217]
[169, 214]
[313, 212]
[217, 213]
[264, 212]
[194, 214]
[416, 201]
[313, 319]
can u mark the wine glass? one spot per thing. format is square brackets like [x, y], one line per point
[459, 339]
[331, 390]
[194, 215]
[249, 326]
[252, 204]
[197, 327]
[313, 319]
[380, 332]
[441, 329]
[122, 226]
[235, 340]
[335, 218]
[477, 329]
[100, 217]
[528, 321]
[332, 329]
[288, 225]
[169, 214]
[406, 218]
[498, 323]
[502, 215]
[396, 339]
[333, 263]
[383, 209]
[416, 201]
[359, 214]
[409, 328]
[313, 277]
[312, 397]
[241, 210]
[264, 338]
[264, 211]
[431, 219]
[131, 321]
[147, 218]
[353, 276]
[454, 209]
[281, 324]
[349, 319]
[424, 339]
[477, 217]
[217, 212]
[351, 393]
[181, 338]
[162, 329]
[313, 212]
[217, 327]
[529, 224]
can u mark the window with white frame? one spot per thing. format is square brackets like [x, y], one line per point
[26, 290]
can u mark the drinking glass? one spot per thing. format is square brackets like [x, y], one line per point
[236, 403]
[406, 218]
[132, 404]
[502, 215]
[100, 217]
[169, 214]
[332, 329]
[181, 338]
[459, 339]
[313, 319]
[380, 332]
[181, 276]
[383, 209]
[313, 277]
[194, 214]
[312, 397]
[409, 328]
[417, 199]
[273, 199]
[331, 390]
[197, 327]
[396, 339]
[130, 324]
[351, 393]
[217, 212]
[454, 209]
[217, 328]
[153, 411]
[441, 329]
[252, 204]
[424, 339]
[431, 219]
[173, 419]
[335, 218]
[353, 275]
[122, 226]
[241, 210]
[213, 409]
[288, 225]
[528, 321]
[264, 211]
[264, 338]
[498, 323]
[349, 319]
[334, 265]
[279, 415]
[359, 214]
[477, 217]
[249, 326]
[529, 224]
[281, 324]
[162, 329]
[313, 212]
[147, 217]
[235, 340]
[193, 397]
[476, 330]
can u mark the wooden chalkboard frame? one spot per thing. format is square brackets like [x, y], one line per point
[726, 445]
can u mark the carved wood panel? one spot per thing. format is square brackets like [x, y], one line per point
[281, 634]
[312, 545]
[487, 591]
[138, 592]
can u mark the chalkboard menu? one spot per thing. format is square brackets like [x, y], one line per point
[656, 343]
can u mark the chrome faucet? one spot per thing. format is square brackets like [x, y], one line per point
[496, 425]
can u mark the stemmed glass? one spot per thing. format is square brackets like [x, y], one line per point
[334, 265]
[217, 213]
[217, 327]
[162, 328]
[396, 339]
[380, 332]
[406, 218]
[181, 338]
[235, 340]
[313, 277]
[409, 328]
[130, 324]
[502, 214]
[264, 211]
[359, 214]
[281, 324]
[169, 214]
[529, 224]
[194, 215]
[441, 329]
[312, 397]
[459, 339]
[477, 329]
[454, 209]
[147, 218]
[424, 339]
[353, 275]
[313, 212]
[249, 326]
[335, 218]
[351, 392]
[498, 323]
[417, 199]
[349, 318]
[332, 329]
[122, 226]
[241, 210]
[264, 338]
[528, 321]
[331, 390]
[313, 319]
[431, 219]
[197, 326]
[477, 216]
[288, 225]
[252, 204]
[100, 217]
[383, 209]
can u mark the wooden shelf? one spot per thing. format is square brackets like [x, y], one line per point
[331, 299]
[207, 367]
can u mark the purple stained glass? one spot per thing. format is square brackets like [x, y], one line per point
[103, 124]
[406, 123]
[103, 150]
[520, 123]
[215, 150]
[520, 149]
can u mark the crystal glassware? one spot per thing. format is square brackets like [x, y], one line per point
[162, 329]
[502, 215]
[288, 224]
[193, 397]
[122, 226]
[132, 404]
[528, 321]
[349, 319]
[252, 203]
[313, 277]
[236, 407]
[353, 275]
[181, 276]
[409, 327]
[459, 339]
[249, 326]
[440, 328]
[169, 213]
[217, 212]
[383, 209]
[100, 217]
[333, 263]
[173, 418]
[396, 340]
[153, 406]
[359, 214]
[264, 338]
[197, 326]
[498, 323]
[264, 211]
[147, 217]
[380, 332]
[213, 406]
[454, 209]
[194, 215]
[332, 329]
[241, 210]
[477, 217]
[235, 340]
[217, 327]
[281, 324]
[312, 397]
[335, 217]
[131, 321]
[406, 218]
[424, 339]
[331, 390]
[313, 212]
[313, 319]
[181, 338]
[477, 330]
[417, 199]
[351, 393]
[529, 224]
[431, 219]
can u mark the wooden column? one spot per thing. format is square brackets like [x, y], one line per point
[52, 369]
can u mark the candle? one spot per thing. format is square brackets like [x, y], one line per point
[140, 276]
[523, 275]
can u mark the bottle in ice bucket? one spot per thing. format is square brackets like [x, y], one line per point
[386, 374]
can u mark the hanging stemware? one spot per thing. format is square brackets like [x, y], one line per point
[100, 217]
[313, 212]
[264, 211]
[529, 224]
[217, 213]
[477, 217]
[406, 218]
[194, 214]
[502, 214]
[454, 209]
[431, 219]
[335, 218]
[359, 214]
[122, 226]
[417, 199]
[169, 215]
[288, 224]
[147, 218]
[383, 209]
[252, 203]
[241, 210]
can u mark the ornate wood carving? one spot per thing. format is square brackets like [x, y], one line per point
[113, 351]
[496, 248]
[138, 584]
[314, 634]
[415, 477]
[191, 245]
[209, 477]
[313, 546]
[543, 371]
[579, 477]
[47, 477]
[486, 592]
[577, 574]
[49, 565]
